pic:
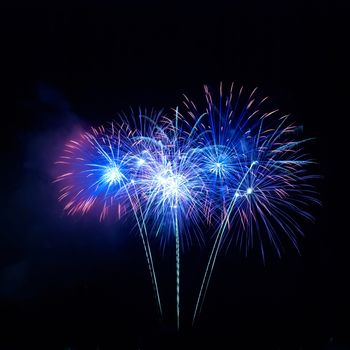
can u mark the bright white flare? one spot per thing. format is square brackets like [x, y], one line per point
[113, 175]
[171, 187]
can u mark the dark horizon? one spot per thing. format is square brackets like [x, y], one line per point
[73, 283]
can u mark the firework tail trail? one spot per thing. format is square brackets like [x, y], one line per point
[148, 253]
[177, 251]
[177, 241]
[174, 222]
[215, 250]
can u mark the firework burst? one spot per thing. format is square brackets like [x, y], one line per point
[97, 171]
[168, 185]
[94, 173]
[236, 164]
[257, 171]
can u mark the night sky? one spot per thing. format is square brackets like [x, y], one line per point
[75, 283]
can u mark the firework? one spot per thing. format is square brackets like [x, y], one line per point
[257, 171]
[96, 172]
[236, 165]
[93, 173]
[168, 185]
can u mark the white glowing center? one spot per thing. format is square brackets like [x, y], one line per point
[170, 185]
[113, 175]
[140, 162]
[172, 188]
[217, 168]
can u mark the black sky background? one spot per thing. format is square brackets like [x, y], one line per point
[75, 283]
